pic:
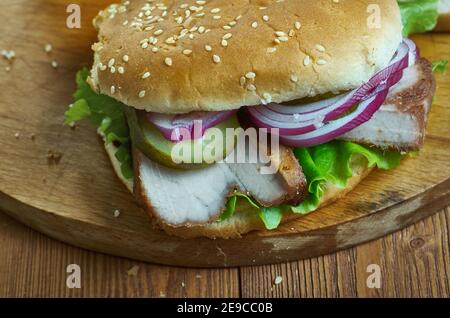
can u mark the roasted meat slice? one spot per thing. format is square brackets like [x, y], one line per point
[400, 123]
[183, 197]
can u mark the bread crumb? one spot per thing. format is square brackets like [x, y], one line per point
[54, 157]
[17, 135]
[116, 213]
[198, 276]
[9, 55]
[162, 294]
[183, 284]
[54, 64]
[133, 271]
[8, 68]
[278, 280]
[48, 48]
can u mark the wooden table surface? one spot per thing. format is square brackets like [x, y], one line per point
[415, 262]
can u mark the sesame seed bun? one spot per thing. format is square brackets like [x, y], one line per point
[231, 53]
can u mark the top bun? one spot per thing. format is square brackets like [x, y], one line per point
[172, 56]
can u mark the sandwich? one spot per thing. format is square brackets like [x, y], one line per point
[223, 117]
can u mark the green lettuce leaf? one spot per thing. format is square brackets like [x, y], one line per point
[107, 115]
[331, 163]
[418, 16]
[440, 66]
[271, 217]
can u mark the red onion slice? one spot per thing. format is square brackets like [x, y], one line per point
[294, 124]
[303, 119]
[171, 126]
[334, 129]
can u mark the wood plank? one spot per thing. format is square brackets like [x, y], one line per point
[33, 265]
[74, 200]
[415, 262]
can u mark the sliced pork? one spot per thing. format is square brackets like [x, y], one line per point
[400, 123]
[183, 197]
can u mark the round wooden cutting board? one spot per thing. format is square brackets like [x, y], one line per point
[73, 198]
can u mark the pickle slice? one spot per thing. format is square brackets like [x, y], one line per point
[216, 143]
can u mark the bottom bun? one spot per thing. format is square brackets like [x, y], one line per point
[245, 219]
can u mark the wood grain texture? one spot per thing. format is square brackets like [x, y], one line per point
[415, 262]
[33, 265]
[74, 200]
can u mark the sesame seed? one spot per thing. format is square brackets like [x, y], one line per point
[278, 280]
[48, 48]
[121, 70]
[320, 48]
[170, 40]
[141, 94]
[294, 78]
[187, 52]
[227, 36]
[125, 58]
[267, 97]
[216, 58]
[224, 43]
[113, 69]
[251, 87]
[146, 75]
[254, 25]
[266, 18]
[168, 61]
[215, 10]
[158, 32]
[297, 25]
[306, 60]
[208, 48]
[113, 90]
[111, 62]
[321, 62]
[271, 49]
[242, 80]
[250, 75]
[55, 64]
